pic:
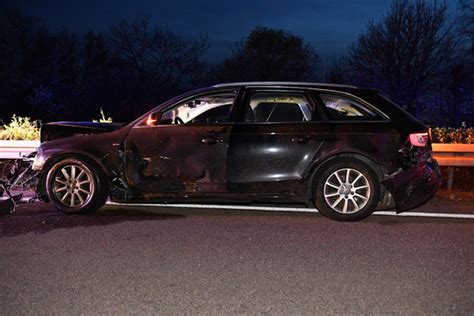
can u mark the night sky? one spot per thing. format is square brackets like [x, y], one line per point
[329, 25]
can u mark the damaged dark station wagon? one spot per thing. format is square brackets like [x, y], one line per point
[348, 151]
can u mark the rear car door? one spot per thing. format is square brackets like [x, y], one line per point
[274, 143]
[185, 151]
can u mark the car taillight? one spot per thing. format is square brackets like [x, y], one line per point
[419, 139]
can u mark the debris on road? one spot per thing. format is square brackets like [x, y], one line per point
[16, 175]
[8, 206]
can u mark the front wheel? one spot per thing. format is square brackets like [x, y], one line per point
[75, 186]
[347, 190]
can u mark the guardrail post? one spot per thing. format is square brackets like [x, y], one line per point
[450, 177]
[452, 156]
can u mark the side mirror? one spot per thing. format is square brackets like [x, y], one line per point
[153, 118]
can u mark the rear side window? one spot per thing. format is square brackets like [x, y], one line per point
[340, 108]
[278, 107]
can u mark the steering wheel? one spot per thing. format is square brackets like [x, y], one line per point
[178, 120]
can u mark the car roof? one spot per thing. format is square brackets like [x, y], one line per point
[284, 84]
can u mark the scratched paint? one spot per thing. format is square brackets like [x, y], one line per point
[246, 162]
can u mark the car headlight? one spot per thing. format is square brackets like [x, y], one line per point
[38, 162]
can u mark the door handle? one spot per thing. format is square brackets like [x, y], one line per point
[212, 140]
[300, 139]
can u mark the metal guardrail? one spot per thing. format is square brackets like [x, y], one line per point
[448, 155]
[15, 149]
[453, 155]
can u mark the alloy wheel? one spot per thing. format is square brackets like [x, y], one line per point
[347, 190]
[74, 186]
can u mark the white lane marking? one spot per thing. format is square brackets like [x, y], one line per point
[224, 207]
[424, 214]
[291, 209]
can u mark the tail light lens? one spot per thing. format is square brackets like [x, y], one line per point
[419, 139]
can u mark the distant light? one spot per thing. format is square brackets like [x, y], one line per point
[272, 150]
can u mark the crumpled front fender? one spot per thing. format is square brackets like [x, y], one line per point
[415, 186]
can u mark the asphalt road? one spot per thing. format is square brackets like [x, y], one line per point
[193, 261]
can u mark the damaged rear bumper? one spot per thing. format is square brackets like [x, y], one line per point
[415, 186]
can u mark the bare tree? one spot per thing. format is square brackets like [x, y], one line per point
[336, 70]
[158, 58]
[465, 78]
[466, 20]
[16, 34]
[270, 54]
[410, 50]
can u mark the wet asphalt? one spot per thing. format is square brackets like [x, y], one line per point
[131, 260]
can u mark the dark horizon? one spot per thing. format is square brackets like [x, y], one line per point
[329, 27]
[127, 68]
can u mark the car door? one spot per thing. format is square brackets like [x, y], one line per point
[185, 150]
[273, 145]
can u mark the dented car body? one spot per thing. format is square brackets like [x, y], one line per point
[349, 150]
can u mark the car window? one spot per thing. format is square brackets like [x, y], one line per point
[208, 109]
[342, 108]
[277, 107]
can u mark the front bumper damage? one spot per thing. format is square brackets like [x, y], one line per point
[16, 176]
[413, 187]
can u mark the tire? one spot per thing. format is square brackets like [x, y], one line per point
[75, 186]
[342, 200]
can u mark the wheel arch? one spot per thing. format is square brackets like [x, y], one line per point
[98, 166]
[319, 167]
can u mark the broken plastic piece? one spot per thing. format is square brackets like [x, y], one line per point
[8, 206]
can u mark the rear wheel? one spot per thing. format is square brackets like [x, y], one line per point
[75, 186]
[347, 190]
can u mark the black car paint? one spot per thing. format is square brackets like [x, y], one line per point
[239, 161]
[57, 130]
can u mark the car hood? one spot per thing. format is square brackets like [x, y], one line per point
[56, 130]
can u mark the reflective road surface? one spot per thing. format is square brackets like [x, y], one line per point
[143, 260]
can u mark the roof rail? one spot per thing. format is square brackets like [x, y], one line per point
[281, 83]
